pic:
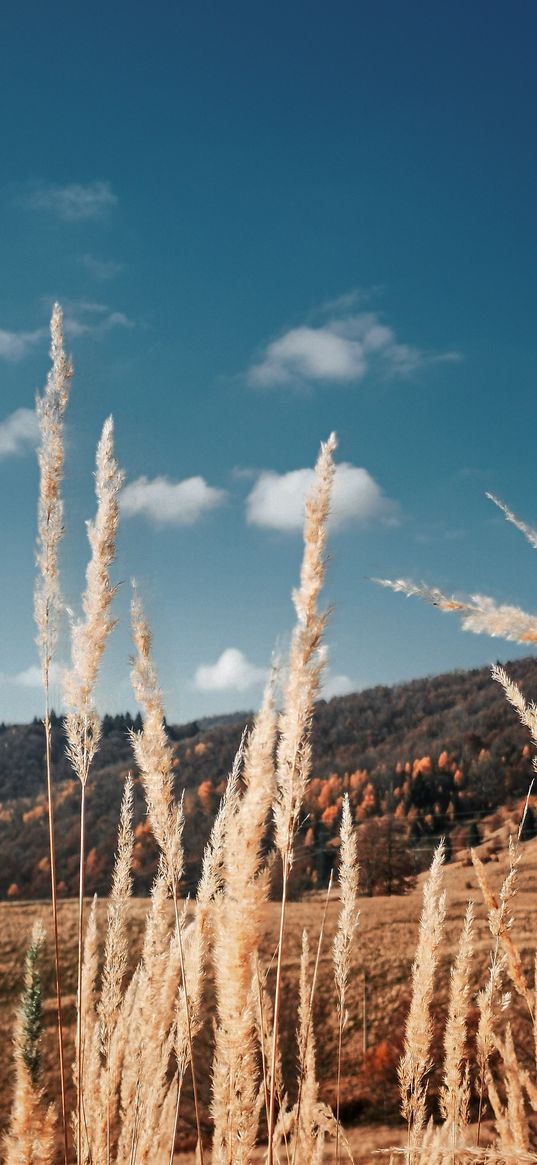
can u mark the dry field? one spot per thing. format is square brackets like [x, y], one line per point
[384, 951]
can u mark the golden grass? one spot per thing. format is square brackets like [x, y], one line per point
[388, 934]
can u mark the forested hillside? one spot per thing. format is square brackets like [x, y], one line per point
[418, 760]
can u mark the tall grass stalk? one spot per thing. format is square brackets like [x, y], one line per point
[238, 911]
[453, 1094]
[116, 945]
[301, 690]
[304, 1124]
[346, 928]
[88, 639]
[416, 1061]
[196, 954]
[311, 1001]
[50, 410]
[154, 757]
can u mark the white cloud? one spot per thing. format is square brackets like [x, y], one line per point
[31, 677]
[73, 202]
[92, 319]
[16, 345]
[18, 433]
[309, 354]
[170, 503]
[101, 268]
[80, 319]
[337, 685]
[277, 499]
[232, 672]
[342, 350]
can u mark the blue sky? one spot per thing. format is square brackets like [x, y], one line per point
[266, 222]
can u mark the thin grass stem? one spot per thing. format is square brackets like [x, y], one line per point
[338, 1084]
[188, 1027]
[262, 1040]
[176, 1115]
[277, 1001]
[55, 928]
[79, 1057]
[310, 1008]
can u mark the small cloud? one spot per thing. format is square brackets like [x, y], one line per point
[232, 672]
[16, 345]
[73, 327]
[170, 503]
[276, 501]
[19, 433]
[343, 304]
[439, 532]
[80, 319]
[472, 472]
[337, 685]
[73, 202]
[92, 319]
[342, 350]
[101, 268]
[31, 677]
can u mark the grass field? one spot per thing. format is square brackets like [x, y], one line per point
[384, 951]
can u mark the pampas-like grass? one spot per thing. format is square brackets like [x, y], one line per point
[346, 927]
[305, 1131]
[50, 411]
[116, 949]
[306, 661]
[88, 639]
[302, 687]
[501, 921]
[479, 613]
[416, 1060]
[154, 754]
[454, 1094]
[154, 757]
[529, 532]
[239, 913]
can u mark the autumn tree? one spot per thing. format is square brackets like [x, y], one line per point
[386, 863]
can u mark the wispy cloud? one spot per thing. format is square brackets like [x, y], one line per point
[337, 684]
[342, 350]
[31, 677]
[348, 302]
[101, 268]
[277, 499]
[73, 202]
[82, 318]
[18, 433]
[232, 672]
[16, 345]
[170, 503]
